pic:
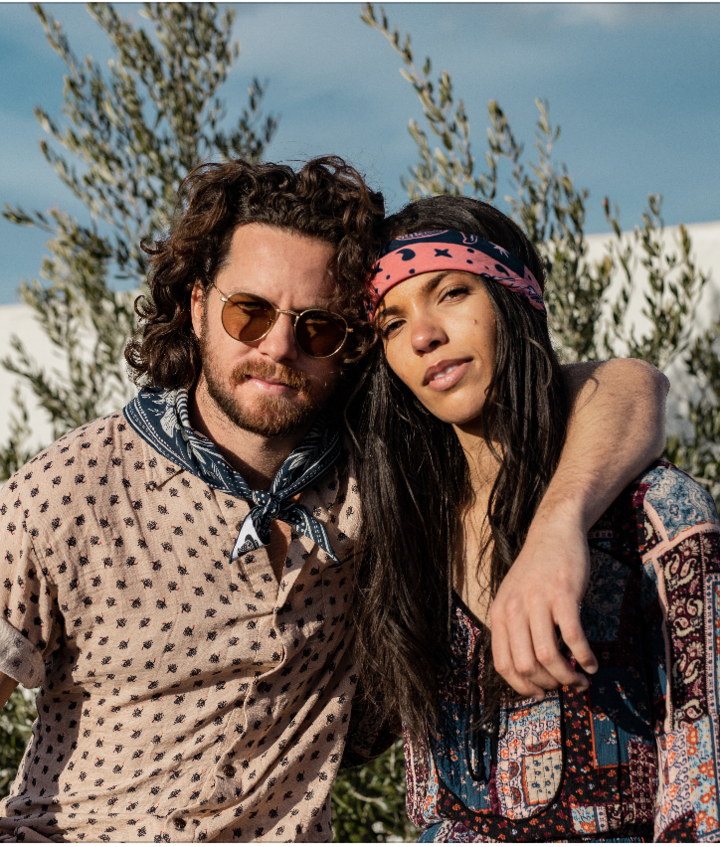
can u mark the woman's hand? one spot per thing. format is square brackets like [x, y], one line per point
[543, 590]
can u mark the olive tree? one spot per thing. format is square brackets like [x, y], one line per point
[127, 136]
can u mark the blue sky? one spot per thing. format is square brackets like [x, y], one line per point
[635, 87]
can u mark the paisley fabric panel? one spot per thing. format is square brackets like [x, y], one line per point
[529, 761]
[679, 501]
[634, 758]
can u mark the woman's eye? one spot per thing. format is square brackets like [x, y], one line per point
[390, 329]
[455, 292]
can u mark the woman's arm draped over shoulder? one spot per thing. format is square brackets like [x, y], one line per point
[616, 429]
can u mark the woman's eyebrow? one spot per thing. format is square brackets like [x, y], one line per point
[434, 281]
[391, 311]
[427, 288]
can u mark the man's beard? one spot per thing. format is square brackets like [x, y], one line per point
[271, 417]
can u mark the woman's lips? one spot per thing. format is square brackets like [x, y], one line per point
[445, 375]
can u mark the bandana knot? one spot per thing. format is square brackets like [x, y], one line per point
[161, 419]
[269, 504]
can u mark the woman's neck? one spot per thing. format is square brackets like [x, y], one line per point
[472, 569]
[483, 463]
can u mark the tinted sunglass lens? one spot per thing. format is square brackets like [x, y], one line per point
[319, 334]
[247, 318]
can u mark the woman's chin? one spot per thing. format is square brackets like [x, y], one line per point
[457, 417]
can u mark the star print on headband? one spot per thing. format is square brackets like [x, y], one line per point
[449, 250]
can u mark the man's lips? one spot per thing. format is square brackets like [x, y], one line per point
[445, 373]
[273, 386]
[270, 378]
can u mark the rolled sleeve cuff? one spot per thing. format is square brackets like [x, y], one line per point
[19, 659]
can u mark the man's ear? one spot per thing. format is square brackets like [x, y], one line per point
[197, 308]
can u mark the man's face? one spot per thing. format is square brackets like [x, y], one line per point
[269, 387]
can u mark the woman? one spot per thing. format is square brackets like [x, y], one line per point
[462, 430]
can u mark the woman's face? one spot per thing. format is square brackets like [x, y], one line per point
[439, 334]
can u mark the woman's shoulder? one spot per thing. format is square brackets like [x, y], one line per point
[673, 500]
[660, 508]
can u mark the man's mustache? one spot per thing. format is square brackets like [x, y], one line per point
[280, 373]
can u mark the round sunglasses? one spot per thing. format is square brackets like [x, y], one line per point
[319, 333]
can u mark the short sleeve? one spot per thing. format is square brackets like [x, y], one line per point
[28, 623]
[682, 533]
[370, 734]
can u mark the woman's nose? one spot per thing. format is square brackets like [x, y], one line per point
[427, 335]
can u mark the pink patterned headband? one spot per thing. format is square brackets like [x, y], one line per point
[449, 250]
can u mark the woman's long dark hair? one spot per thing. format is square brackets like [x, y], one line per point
[415, 483]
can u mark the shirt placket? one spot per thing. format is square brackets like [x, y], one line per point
[256, 573]
[257, 577]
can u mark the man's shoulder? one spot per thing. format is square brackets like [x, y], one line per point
[87, 450]
[103, 432]
[348, 461]
[346, 469]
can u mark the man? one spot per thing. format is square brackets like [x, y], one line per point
[177, 575]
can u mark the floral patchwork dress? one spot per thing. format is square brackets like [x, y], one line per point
[635, 757]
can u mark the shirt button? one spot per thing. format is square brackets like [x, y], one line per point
[179, 823]
[229, 770]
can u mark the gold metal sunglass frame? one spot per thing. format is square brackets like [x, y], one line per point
[296, 315]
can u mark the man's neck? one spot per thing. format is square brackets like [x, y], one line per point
[257, 457]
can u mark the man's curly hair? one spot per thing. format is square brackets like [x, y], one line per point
[326, 199]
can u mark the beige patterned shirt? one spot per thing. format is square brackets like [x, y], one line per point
[182, 698]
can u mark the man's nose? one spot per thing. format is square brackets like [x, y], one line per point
[279, 344]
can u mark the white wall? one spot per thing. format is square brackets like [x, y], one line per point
[18, 320]
[705, 239]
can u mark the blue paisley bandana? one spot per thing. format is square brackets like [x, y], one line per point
[161, 419]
